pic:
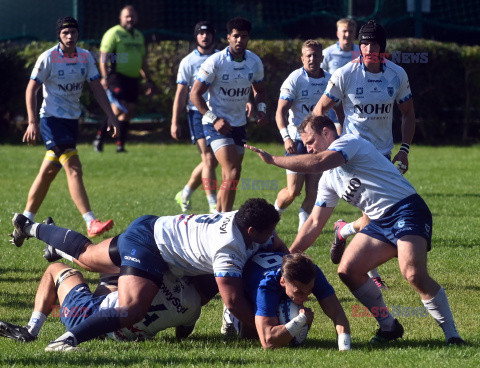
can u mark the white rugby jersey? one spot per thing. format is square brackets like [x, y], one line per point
[334, 57]
[187, 72]
[63, 80]
[177, 303]
[368, 100]
[304, 92]
[230, 83]
[203, 244]
[367, 180]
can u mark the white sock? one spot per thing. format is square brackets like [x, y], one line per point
[347, 230]
[373, 273]
[187, 192]
[302, 217]
[370, 296]
[68, 334]
[89, 217]
[36, 322]
[439, 309]
[279, 210]
[29, 215]
[212, 199]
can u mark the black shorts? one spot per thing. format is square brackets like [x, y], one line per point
[125, 88]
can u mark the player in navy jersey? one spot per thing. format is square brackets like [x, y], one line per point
[204, 34]
[217, 244]
[341, 53]
[62, 71]
[299, 94]
[230, 76]
[401, 222]
[368, 87]
[270, 277]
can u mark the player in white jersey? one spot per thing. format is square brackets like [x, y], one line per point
[177, 304]
[217, 244]
[368, 87]
[62, 70]
[230, 76]
[204, 34]
[401, 222]
[299, 94]
[341, 53]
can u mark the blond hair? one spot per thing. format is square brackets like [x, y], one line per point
[348, 22]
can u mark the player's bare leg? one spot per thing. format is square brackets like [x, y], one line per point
[41, 184]
[231, 162]
[73, 169]
[210, 163]
[286, 196]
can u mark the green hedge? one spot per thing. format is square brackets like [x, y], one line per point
[445, 82]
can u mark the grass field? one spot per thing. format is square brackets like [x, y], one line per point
[145, 181]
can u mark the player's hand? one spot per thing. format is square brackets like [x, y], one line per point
[175, 131]
[112, 123]
[290, 146]
[32, 133]
[104, 83]
[222, 126]
[249, 109]
[150, 88]
[261, 118]
[402, 158]
[309, 314]
[265, 156]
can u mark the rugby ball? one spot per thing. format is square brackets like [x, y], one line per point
[287, 310]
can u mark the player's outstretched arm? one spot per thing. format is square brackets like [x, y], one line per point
[311, 229]
[33, 131]
[102, 100]
[333, 309]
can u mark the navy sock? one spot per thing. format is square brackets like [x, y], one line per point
[105, 321]
[66, 240]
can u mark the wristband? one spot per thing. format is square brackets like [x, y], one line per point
[104, 76]
[344, 341]
[209, 118]
[262, 107]
[296, 324]
[284, 134]
[405, 147]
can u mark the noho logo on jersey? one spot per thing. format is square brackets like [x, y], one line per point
[235, 92]
[70, 87]
[372, 108]
[353, 187]
[306, 109]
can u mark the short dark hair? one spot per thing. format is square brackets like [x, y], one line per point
[240, 24]
[298, 267]
[317, 123]
[257, 213]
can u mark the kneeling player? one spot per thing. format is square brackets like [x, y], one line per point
[270, 277]
[177, 304]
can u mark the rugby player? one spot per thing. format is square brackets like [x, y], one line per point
[401, 222]
[299, 94]
[217, 244]
[177, 304]
[229, 76]
[368, 87]
[204, 172]
[270, 277]
[62, 71]
[340, 53]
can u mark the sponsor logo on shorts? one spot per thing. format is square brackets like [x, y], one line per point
[133, 259]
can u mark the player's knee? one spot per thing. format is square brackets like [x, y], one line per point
[132, 313]
[414, 276]
[232, 173]
[346, 272]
